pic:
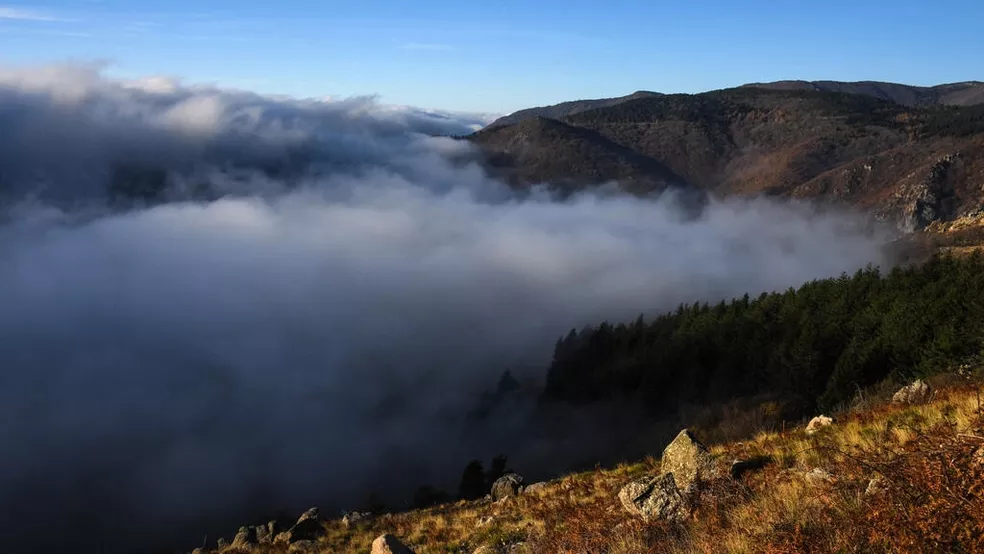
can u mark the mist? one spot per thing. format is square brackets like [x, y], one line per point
[306, 303]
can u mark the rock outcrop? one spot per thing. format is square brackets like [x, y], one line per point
[506, 486]
[818, 423]
[688, 460]
[535, 488]
[388, 544]
[266, 533]
[307, 528]
[355, 518]
[916, 393]
[654, 498]
[245, 538]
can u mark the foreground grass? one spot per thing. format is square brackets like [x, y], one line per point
[928, 460]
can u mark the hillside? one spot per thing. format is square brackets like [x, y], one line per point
[744, 376]
[540, 149]
[901, 476]
[968, 93]
[564, 109]
[911, 165]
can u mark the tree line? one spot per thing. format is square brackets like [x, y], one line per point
[814, 346]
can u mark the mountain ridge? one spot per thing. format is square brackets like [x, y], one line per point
[912, 165]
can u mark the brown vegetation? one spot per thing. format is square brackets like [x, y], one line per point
[926, 461]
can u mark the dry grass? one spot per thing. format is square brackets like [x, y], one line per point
[930, 458]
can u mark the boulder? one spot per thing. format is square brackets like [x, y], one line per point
[388, 544]
[916, 393]
[506, 486]
[266, 533]
[818, 423]
[245, 538]
[535, 488]
[307, 528]
[221, 543]
[654, 498]
[688, 460]
[355, 518]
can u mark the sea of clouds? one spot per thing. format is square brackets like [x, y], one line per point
[307, 301]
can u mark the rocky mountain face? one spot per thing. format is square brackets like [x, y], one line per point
[913, 165]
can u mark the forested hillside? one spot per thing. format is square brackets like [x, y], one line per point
[810, 347]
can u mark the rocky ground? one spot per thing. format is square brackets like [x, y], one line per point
[897, 471]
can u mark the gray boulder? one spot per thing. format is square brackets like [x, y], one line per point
[388, 544]
[506, 486]
[307, 528]
[818, 423]
[266, 533]
[688, 460]
[916, 393]
[355, 518]
[654, 498]
[535, 488]
[245, 538]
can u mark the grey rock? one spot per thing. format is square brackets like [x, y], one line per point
[506, 486]
[307, 528]
[388, 544]
[654, 498]
[245, 538]
[688, 460]
[355, 518]
[818, 423]
[266, 533]
[535, 488]
[916, 393]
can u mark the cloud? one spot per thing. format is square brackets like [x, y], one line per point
[11, 13]
[300, 300]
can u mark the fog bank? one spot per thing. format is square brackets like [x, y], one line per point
[306, 303]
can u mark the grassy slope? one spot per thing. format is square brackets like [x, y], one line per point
[931, 456]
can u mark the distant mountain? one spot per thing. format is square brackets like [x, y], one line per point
[913, 164]
[558, 111]
[968, 93]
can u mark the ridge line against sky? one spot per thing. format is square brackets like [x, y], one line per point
[503, 56]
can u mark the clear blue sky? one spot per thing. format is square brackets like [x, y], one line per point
[503, 55]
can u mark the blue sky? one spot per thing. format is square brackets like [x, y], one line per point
[504, 55]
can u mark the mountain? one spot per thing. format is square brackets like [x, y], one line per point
[541, 149]
[568, 108]
[916, 165]
[968, 93]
